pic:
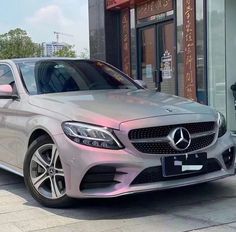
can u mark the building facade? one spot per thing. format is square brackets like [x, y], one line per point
[49, 49]
[182, 47]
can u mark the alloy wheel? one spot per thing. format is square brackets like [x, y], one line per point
[46, 172]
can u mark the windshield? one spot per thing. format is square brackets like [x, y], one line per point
[56, 76]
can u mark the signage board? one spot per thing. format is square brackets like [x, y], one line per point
[110, 4]
[166, 66]
[189, 35]
[153, 7]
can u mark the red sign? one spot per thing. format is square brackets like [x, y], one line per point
[117, 3]
[121, 4]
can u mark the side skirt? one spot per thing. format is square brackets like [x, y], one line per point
[11, 169]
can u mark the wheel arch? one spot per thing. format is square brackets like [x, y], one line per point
[36, 134]
[43, 125]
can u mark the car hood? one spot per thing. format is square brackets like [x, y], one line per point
[112, 107]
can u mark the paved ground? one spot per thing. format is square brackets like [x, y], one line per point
[208, 207]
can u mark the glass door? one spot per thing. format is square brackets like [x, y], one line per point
[148, 59]
[166, 54]
[158, 56]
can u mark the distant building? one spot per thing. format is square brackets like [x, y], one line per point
[50, 48]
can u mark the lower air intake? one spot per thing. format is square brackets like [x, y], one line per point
[99, 177]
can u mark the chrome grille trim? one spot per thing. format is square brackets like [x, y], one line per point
[152, 140]
[198, 135]
[203, 136]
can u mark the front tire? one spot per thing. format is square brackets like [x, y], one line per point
[44, 175]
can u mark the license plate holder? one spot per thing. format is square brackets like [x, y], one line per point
[184, 164]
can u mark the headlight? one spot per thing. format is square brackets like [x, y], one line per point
[93, 136]
[222, 124]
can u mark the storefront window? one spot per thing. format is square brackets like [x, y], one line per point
[200, 50]
[230, 8]
[148, 56]
[216, 55]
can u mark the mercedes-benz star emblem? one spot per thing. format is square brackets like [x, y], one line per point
[180, 139]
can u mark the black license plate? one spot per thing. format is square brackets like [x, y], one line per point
[184, 164]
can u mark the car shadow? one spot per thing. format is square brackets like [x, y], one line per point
[131, 206]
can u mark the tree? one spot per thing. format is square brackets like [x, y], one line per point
[17, 44]
[84, 54]
[67, 51]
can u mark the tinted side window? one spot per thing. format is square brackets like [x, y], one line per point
[6, 76]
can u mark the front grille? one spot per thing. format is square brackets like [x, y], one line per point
[164, 147]
[155, 174]
[163, 131]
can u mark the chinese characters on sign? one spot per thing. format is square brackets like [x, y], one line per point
[190, 49]
[153, 7]
[125, 32]
[166, 66]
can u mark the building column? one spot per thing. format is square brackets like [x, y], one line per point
[104, 30]
[190, 62]
[125, 41]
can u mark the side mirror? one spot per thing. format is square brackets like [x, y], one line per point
[141, 83]
[6, 92]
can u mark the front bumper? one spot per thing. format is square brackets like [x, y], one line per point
[77, 160]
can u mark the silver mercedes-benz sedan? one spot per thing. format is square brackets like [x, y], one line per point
[83, 129]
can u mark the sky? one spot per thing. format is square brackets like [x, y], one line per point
[40, 18]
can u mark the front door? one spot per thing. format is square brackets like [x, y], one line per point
[6, 145]
[157, 55]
